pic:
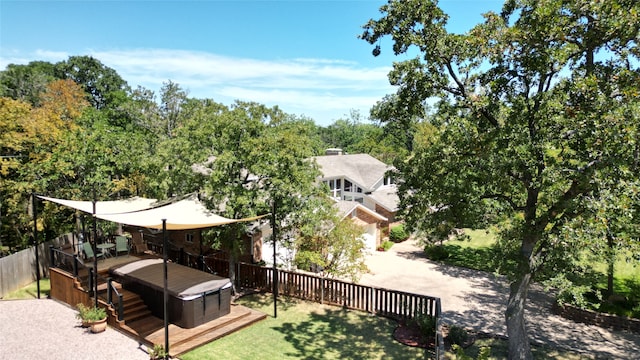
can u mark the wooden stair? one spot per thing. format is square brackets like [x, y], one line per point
[183, 340]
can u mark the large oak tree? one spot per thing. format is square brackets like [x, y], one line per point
[534, 103]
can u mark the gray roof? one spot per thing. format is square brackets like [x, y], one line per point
[387, 197]
[345, 208]
[362, 169]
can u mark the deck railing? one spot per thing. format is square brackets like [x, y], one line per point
[385, 302]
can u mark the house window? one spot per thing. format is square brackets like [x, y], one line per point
[347, 185]
[188, 238]
[388, 180]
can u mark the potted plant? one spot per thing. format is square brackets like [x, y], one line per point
[95, 317]
[82, 314]
[157, 352]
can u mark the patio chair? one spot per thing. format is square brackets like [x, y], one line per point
[139, 246]
[88, 251]
[122, 244]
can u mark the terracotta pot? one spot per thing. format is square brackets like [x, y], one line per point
[99, 326]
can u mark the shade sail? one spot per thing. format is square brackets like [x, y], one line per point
[181, 215]
[106, 207]
[185, 214]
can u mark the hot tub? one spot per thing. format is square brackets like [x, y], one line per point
[195, 297]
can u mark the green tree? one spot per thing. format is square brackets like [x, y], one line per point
[102, 83]
[30, 138]
[534, 102]
[26, 82]
[330, 242]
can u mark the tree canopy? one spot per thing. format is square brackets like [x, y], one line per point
[533, 106]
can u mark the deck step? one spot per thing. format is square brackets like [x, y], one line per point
[144, 326]
[193, 342]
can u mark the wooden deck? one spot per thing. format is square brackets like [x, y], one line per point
[150, 329]
[140, 324]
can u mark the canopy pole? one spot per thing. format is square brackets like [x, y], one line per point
[275, 269]
[95, 250]
[166, 294]
[35, 238]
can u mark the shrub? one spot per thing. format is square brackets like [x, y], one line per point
[386, 245]
[458, 335]
[398, 234]
[426, 324]
[436, 252]
[90, 314]
[157, 352]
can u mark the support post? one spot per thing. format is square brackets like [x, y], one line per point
[166, 294]
[274, 238]
[95, 250]
[35, 239]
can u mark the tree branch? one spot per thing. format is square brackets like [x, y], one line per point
[505, 198]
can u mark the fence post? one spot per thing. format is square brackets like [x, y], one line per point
[91, 281]
[322, 290]
[75, 265]
[109, 291]
[120, 308]
[439, 339]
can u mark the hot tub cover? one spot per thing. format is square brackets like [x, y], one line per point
[182, 281]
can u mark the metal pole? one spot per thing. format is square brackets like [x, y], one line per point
[35, 239]
[166, 294]
[275, 269]
[95, 250]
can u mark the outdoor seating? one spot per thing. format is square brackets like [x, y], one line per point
[88, 252]
[139, 246]
[122, 244]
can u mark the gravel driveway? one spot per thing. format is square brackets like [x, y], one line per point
[47, 329]
[477, 300]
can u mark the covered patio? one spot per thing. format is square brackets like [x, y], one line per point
[127, 309]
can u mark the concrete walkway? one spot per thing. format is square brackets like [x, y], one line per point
[477, 300]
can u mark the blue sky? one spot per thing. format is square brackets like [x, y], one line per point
[301, 55]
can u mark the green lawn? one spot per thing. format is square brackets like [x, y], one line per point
[30, 291]
[306, 330]
[475, 252]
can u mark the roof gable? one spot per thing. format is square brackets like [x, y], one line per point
[363, 169]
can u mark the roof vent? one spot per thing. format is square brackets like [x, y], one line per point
[333, 151]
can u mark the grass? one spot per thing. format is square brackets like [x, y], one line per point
[500, 348]
[476, 252]
[30, 291]
[306, 330]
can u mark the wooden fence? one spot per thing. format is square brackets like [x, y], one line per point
[385, 302]
[19, 269]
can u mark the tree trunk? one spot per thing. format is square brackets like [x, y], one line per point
[519, 347]
[611, 261]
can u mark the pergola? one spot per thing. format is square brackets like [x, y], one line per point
[184, 214]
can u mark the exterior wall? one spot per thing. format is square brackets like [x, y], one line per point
[391, 216]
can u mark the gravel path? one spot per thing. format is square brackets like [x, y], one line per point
[477, 300]
[47, 329]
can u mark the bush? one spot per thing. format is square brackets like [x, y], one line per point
[426, 324]
[386, 245]
[398, 234]
[457, 335]
[436, 252]
[90, 314]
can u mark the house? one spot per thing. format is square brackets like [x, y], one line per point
[371, 222]
[360, 178]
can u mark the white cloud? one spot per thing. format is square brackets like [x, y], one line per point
[323, 89]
